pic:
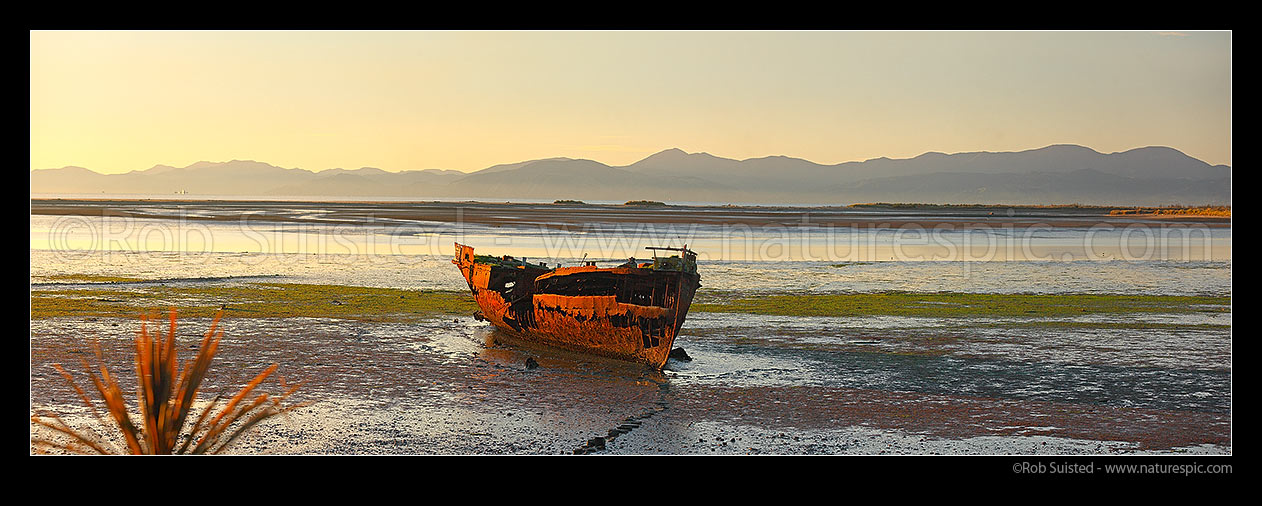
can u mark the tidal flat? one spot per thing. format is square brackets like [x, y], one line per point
[119, 297]
[817, 331]
[249, 300]
[409, 371]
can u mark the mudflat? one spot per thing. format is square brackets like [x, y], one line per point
[391, 371]
[570, 214]
[1053, 356]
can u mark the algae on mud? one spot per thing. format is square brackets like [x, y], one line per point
[271, 300]
[253, 300]
[882, 384]
[90, 278]
[948, 305]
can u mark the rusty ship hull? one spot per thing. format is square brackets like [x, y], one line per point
[632, 312]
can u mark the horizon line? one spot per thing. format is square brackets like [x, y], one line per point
[655, 153]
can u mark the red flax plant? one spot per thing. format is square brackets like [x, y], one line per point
[165, 395]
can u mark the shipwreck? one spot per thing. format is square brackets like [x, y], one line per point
[629, 312]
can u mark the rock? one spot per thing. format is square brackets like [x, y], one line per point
[531, 364]
[680, 354]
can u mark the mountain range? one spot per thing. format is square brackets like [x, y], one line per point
[1057, 174]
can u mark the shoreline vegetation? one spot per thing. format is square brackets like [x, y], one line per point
[1168, 210]
[166, 396]
[1176, 211]
[292, 300]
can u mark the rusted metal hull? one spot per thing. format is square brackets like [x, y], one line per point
[626, 313]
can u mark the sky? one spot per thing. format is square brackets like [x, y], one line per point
[116, 101]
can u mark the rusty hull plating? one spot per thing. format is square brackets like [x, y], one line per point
[630, 312]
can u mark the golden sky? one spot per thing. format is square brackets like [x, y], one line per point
[115, 101]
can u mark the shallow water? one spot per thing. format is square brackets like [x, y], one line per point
[373, 237]
[437, 273]
[1169, 261]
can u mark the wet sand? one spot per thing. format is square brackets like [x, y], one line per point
[570, 215]
[757, 384]
[446, 386]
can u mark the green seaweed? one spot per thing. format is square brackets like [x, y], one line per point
[948, 305]
[281, 300]
[1059, 324]
[255, 300]
[90, 278]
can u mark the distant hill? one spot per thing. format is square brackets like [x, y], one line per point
[1084, 186]
[582, 179]
[1058, 174]
[228, 178]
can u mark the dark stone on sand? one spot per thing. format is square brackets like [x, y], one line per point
[680, 354]
[531, 364]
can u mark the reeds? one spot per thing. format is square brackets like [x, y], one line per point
[165, 398]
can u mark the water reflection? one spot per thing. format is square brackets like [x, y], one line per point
[73, 235]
